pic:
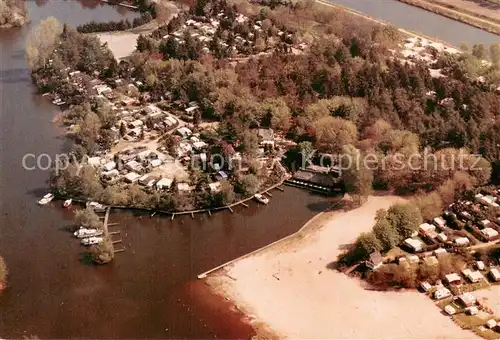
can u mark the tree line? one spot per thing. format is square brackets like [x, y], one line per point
[121, 25]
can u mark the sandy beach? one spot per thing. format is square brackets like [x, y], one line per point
[288, 290]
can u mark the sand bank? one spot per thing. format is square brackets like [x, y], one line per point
[290, 291]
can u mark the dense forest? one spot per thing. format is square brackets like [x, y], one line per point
[13, 13]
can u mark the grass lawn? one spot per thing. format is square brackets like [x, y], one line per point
[468, 321]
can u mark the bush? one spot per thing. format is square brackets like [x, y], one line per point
[394, 275]
[122, 25]
[103, 252]
[3, 272]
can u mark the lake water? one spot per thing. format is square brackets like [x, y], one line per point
[150, 290]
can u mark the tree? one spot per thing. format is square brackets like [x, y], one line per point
[377, 131]
[248, 184]
[123, 129]
[400, 141]
[386, 234]
[115, 195]
[431, 205]
[225, 196]
[13, 13]
[103, 252]
[356, 177]
[42, 42]
[367, 243]
[250, 143]
[88, 218]
[405, 218]
[479, 51]
[278, 114]
[333, 133]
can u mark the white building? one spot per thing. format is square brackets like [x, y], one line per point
[453, 278]
[489, 233]
[109, 166]
[132, 177]
[439, 222]
[442, 293]
[164, 183]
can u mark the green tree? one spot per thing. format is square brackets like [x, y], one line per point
[333, 133]
[42, 42]
[386, 234]
[431, 205]
[367, 243]
[357, 178]
[103, 252]
[278, 114]
[248, 184]
[226, 195]
[250, 143]
[405, 218]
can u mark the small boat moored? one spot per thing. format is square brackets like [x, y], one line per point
[261, 198]
[67, 203]
[97, 207]
[86, 233]
[91, 240]
[46, 199]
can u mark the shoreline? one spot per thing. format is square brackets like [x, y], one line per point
[457, 13]
[312, 300]
[384, 23]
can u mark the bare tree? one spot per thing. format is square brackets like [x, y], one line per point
[42, 41]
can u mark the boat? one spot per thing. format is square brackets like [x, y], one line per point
[91, 240]
[58, 102]
[67, 203]
[261, 198]
[46, 199]
[97, 207]
[85, 233]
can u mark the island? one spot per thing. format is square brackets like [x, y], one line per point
[13, 13]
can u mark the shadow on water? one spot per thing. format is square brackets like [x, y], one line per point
[14, 76]
[38, 192]
[318, 207]
[85, 258]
